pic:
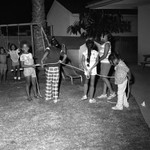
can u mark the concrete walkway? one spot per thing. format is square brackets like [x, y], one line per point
[141, 90]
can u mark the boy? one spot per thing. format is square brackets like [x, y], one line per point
[122, 72]
[3, 64]
[52, 58]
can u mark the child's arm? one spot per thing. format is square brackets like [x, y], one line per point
[64, 58]
[83, 63]
[129, 75]
[26, 66]
[43, 58]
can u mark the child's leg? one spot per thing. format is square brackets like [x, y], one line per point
[18, 72]
[92, 83]
[1, 75]
[48, 91]
[34, 84]
[4, 74]
[86, 81]
[28, 84]
[121, 91]
[107, 85]
[15, 74]
[125, 100]
[55, 84]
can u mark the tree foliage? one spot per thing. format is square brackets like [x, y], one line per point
[93, 23]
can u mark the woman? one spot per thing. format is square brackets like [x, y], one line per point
[104, 53]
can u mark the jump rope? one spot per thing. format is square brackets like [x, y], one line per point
[68, 65]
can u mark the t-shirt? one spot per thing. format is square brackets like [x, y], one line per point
[102, 50]
[121, 72]
[14, 55]
[53, 56]
[93, 57]
[27, 59]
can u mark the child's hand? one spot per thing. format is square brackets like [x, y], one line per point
[42, 64]
[60, 61]
[33, 66]
[90, 70]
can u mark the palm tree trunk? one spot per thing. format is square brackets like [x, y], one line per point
[38, 16]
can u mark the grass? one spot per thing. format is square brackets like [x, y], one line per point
[70, 124]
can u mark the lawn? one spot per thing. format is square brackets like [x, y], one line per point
[70, 124]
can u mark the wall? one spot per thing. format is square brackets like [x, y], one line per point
[60, 18]
[127, 47]
[73, 55]
[134, 26]
[143, 31]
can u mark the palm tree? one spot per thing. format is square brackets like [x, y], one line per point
[38, 16]
[93, 23]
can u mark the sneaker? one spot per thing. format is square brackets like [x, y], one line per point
[56, 100]
[102, 96]
[92, 100]
[117, 108]
[48, 99]
[111, 96]
[19, 78]
[84, 98]
[126, 105]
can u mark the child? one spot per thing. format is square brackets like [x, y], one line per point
[52, 57]
[14, 55]
[89, 62]
[105, 51]
[27, 63]
[121, 74]
[3, 64]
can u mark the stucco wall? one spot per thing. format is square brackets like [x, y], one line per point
[143, 31]
[60, 18]
[73, 55]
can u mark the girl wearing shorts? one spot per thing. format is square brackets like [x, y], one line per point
[14, 55]
[89, 63]
[27, 63]
[104, 53]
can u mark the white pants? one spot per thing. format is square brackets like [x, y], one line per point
[122, 98]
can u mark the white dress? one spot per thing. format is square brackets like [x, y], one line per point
[93, 58]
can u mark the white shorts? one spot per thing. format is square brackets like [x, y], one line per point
[29, 72]
[93, 72]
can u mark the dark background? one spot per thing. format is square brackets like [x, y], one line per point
[20, 11]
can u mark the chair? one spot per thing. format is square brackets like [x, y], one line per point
[71, 73]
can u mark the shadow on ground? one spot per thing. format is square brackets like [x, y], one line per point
[70, 124]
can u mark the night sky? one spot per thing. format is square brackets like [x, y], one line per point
[15, 11]
[20, 11]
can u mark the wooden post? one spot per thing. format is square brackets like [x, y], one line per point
[7, 36]
[18, 36]
[32, 39]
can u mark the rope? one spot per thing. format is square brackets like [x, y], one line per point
[45, 36]
[37, 65]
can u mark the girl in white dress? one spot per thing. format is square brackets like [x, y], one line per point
[89, 62]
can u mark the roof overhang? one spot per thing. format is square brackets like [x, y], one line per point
[117, 4]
